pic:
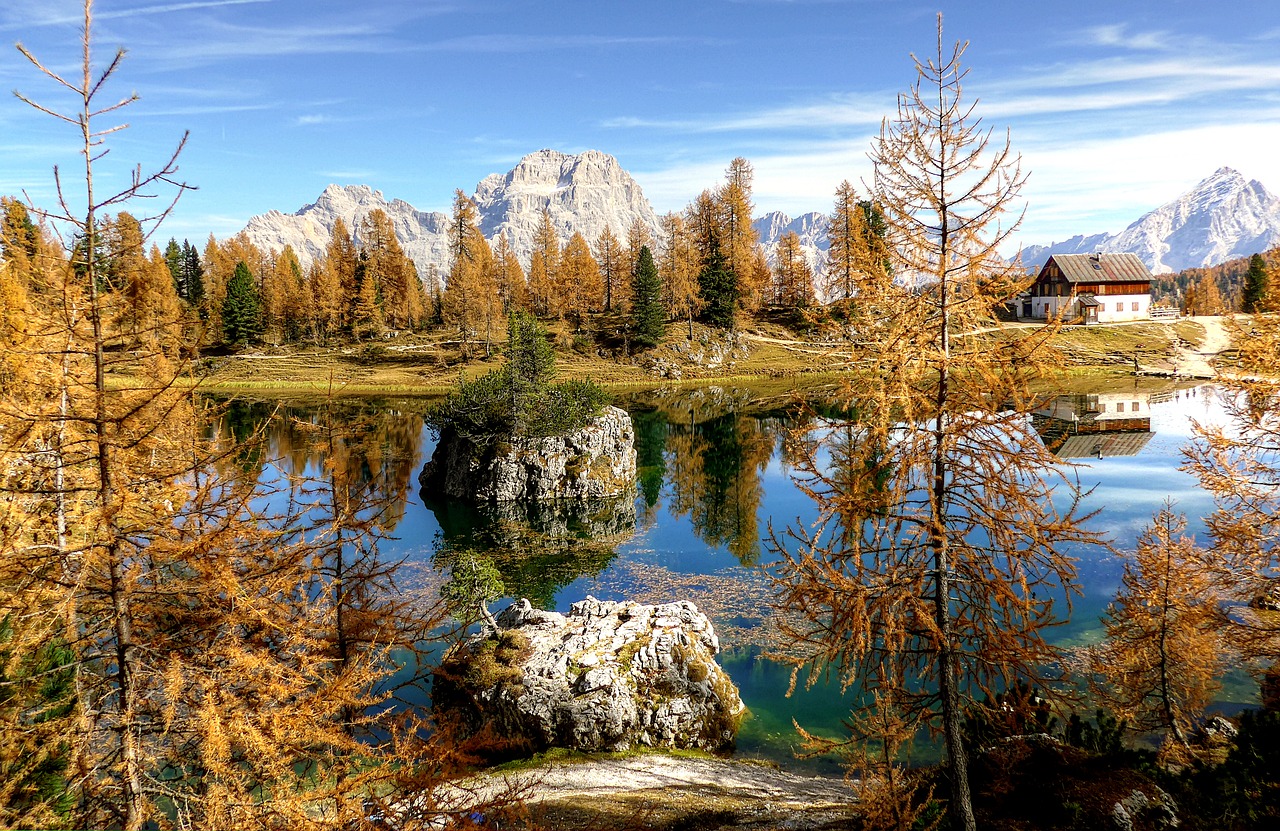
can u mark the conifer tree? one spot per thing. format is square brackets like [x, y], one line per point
[1253, 297]
[648, 319]
[510, 276]
[1163, 653]
[343, 257]
[718, 289]
[740, 240]
[241, 309]
[393, 273]
[544, 265]
[610, 259]
[471, 301]
[933, 571]
[792, 276]
[579, 282]
[679, 270]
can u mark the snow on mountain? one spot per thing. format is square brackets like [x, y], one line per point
[1221, 218]
[583, 192]
[810, 227]
[424, 236]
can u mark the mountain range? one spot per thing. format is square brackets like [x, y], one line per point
[1223, 217]
[583, 192]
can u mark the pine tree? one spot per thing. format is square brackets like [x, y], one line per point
[718, 289]
[393, 273]
[241, 309]
[192, 275]
[1254, 296]
[648, 319]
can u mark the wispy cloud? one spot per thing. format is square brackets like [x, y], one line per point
[510, 43]
[67, 12]
[1119, 35]
[840, 110]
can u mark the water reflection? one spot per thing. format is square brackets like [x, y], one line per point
[1096, 425]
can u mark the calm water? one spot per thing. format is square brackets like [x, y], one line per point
[713, 475]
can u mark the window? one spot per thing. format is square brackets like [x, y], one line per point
[1135, 306]
[1133, 407]
[1120, 407]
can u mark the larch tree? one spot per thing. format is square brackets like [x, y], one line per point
[343, 257]
[740, 240]
[512, 288]
[1163, 655]
[579, 282]
[792, 275]
[544, 265]
[937, 562]
[165, 662]
[1238, 462]
[471, 302]
[611, 259]
[392, 271]
[678, 269]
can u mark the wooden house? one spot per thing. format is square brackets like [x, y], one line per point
[1089, 288]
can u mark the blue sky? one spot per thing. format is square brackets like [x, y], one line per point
[1115, 106]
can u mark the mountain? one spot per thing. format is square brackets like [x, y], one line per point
[810, 227]
[424, 236]
[584, 193]
[1221, 218]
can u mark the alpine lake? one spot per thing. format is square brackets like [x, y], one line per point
[713, 479]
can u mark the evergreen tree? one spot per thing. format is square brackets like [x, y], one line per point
[718, 289]
[242, 309]
[648, 319]
[192, 275]
[1253, 298]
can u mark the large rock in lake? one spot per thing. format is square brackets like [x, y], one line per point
[606, 676]
[596, 461]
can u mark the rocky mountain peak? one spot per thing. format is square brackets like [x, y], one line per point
[1223, 217]
[584, 192]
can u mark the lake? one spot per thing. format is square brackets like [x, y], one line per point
[714, 474]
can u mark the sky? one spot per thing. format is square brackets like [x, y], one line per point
[1116, 106]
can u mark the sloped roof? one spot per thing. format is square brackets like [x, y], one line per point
[1099, 445]
[1101, 268]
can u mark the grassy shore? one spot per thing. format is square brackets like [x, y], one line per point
[764, 355]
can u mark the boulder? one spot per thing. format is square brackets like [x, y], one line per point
[596, 461]
[605, 676]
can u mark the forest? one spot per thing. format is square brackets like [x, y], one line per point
[179, 651]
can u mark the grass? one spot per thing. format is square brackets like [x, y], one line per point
[761, 354]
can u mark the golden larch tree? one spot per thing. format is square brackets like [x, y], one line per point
[938, 560]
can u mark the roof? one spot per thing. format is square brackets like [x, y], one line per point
[1089, 300]
[1099, 445]
[1100, 268]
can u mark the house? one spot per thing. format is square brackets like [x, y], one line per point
[1095, 425]
[1089, 288]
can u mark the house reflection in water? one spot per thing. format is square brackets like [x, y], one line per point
[1096, 425]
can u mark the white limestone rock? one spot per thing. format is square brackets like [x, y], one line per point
[606, 676]
[595, 462]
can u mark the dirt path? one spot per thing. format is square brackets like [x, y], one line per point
[1199, 362]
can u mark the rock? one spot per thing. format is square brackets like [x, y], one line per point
[595, 462]
[584, 193]
[1137, 810]
[606, 676]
